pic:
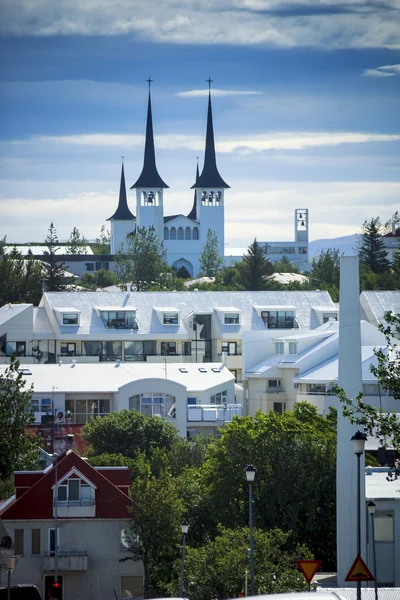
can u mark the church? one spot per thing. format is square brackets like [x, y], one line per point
[183, 235]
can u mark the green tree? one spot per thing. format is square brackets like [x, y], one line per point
[21, 278]
[325, 272]
[144, 264]
[218, 568]
[17, 449]
[210, 260]
[285, 266]
[154, 532]
[371, 251]
[128, 432]
[255, 267]
[76, 243]
[99, 279]
[102, 245]
[54, 271]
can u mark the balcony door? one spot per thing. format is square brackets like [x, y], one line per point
[51, 592]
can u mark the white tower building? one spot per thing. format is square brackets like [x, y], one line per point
[122, 221]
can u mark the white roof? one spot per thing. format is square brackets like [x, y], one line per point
[40, 250]
[67, 309]
[379, 303]
[8, 311]
[286, 278]
[328, 370]
[109, 377]
[378, 488]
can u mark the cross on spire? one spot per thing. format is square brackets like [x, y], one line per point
[122, 159]
[149, 81]
[209, 81]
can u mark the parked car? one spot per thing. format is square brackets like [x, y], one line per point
[23, 591]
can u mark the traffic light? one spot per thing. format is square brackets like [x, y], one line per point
[56, 584]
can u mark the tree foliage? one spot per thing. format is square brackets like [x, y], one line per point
[371, 250]
[17, 449]
[76, 243]
[99, 279]
[285, 266]
[21, 278]
[255, 267]
[103, 242]
[144, 264]
[53, 270]
[210, 260]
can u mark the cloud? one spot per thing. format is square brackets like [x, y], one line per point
[216, 92]
[241, 145]
[385, 71]
[279, 23]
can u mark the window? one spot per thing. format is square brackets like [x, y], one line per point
[166, 233]
[279, 407]
[279, 348]
[278, 319]
[111, 351]
[230, 348]
[292, 348]
[19, 541]
[168, 348]
[327, 316]
[151, 404]
[195, 235]
[75, 492]
[20, 348]
[231, 319]
[192, 400]
[171, 318]
[52, 539]
[35, 549]
[70, 319]
[219, 398]
[119, 319]
[91, 348]
[180, 233]
[68, 349]
[127, 539]
[384, 531]
[172, 233]
[89, 266]
[188, 233]
[41, 404]
[82, 411]
[274, 383]
[186, 348]
[149, 348]
[316, 388]
[133, 351]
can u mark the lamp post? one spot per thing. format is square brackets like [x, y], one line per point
[250, 475]
[55, 457]
[185, 529]
[358, 440]
[371, 510]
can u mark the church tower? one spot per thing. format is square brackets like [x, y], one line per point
[210, 188]
[122, 221]
[149, 187]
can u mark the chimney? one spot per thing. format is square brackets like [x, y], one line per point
[393, 226]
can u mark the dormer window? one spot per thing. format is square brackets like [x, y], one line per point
[232, 318]
[278, 319]
[70, 319]
[75, 490]
[119, 319]
[171, 318]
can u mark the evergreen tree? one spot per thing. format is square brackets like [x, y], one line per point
[285, 266]
[255, 267]
[54, 272]
[76, 243]
[371, 252]
[325, 269]
[144, 264]
[210, 261]
[21, 278]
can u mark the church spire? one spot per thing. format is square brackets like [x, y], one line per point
[149, 177]
[193, 213]
[210, 177]
[122, 213]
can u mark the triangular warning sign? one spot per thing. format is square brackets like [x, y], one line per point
[359, 571]
[308, 568]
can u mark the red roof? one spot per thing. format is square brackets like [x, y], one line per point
[397, 233]
[37, 501]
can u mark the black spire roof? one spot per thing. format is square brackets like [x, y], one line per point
[193, 213]
[122, 213]
[149, 177]
[210, 178]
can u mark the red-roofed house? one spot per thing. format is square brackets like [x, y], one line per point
[92, 516]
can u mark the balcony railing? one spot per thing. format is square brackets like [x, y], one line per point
[81, 502]
[214, 412]
[66, 553]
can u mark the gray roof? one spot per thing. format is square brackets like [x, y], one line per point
[186, 303]
[379, 303]
[377, 487]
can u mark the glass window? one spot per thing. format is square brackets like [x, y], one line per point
[153, 404]
[70, 318]
[327, 316]
[91, 348]
[166, 233]
[120, 319]
[180, 233]
[187, 348]
[195, 235]
[171, 318]
[19, 541]
[172, 233]
[316, 388]
[134, 403]
[279, 348]
[111, 350]
[20, 348]
[282, 319]
[292, 348]
[188, 233]
[89, 266]
[274, 383]
[35, 548]
[279, 407]
[74, 489]
[133, 351]
[62, 492]
[231, 318]
[149, 348]
[168, 348]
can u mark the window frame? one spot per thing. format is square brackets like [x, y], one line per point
[170, 318]
[232, 318]
[68, 315]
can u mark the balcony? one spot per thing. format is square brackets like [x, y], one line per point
[213, 413]
[76, 508]
[69, 560]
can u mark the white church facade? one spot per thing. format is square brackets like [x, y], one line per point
[184, 235]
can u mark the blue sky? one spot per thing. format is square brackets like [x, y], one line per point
[306, 110]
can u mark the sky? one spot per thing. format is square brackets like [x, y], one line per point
[306, 106]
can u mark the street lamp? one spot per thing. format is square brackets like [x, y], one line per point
[185, 529]
[55, 457]
[371, 510]
[358, 440]
[250, 475]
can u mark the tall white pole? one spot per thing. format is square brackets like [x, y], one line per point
[350, 378]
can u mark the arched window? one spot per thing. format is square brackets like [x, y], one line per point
[203, 197]
[188, 233]
[166, 233]
[144, 198]
[180, 233]
[195, 235]
[172, 233]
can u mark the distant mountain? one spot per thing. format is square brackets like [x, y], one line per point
[345, 245]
